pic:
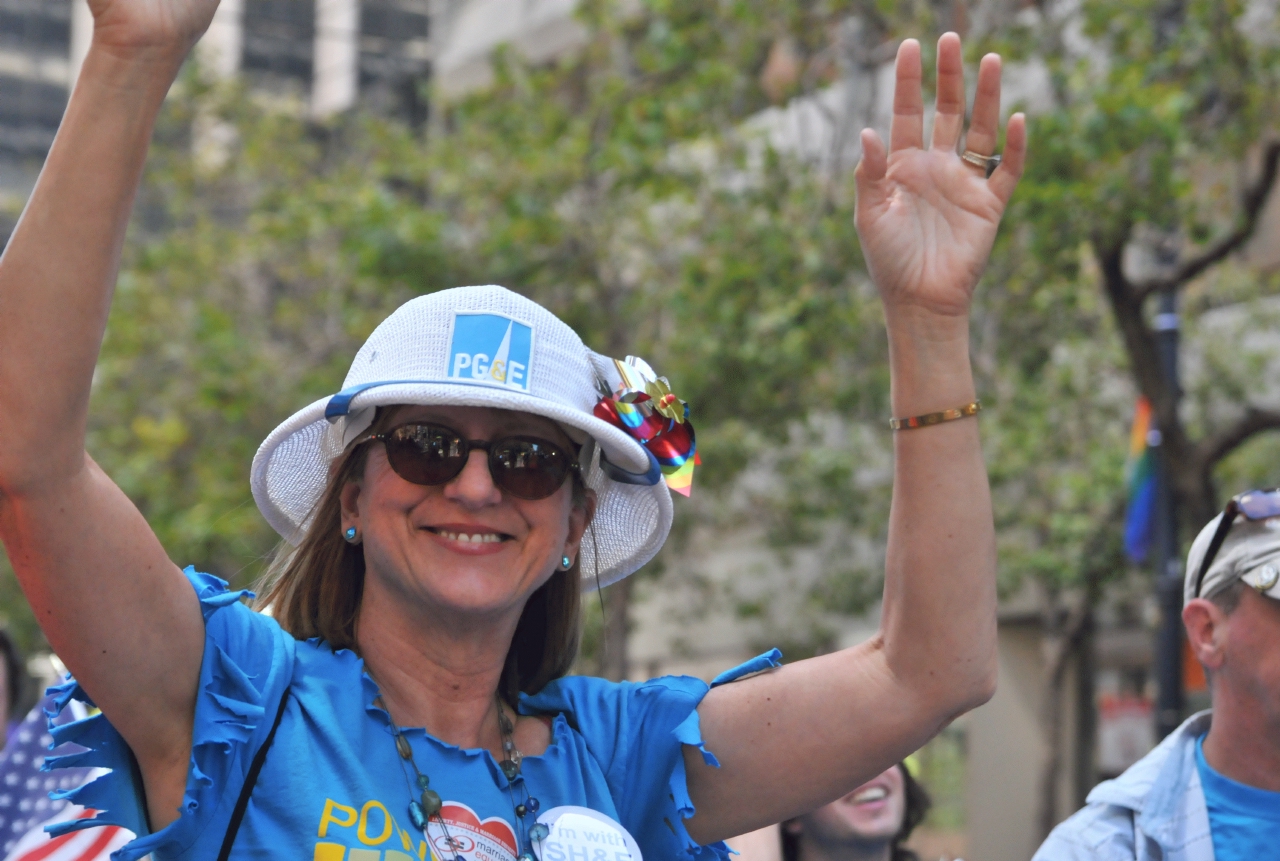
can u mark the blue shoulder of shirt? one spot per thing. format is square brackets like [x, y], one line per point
[637, 731]
[246, 667]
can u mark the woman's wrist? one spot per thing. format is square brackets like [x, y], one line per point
[141, 76]
[928, 361]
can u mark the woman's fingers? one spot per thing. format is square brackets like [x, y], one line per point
[985, 123]
[868, 175]
[1005, 179]
[907, 130]
[874, 159]
[948, 120]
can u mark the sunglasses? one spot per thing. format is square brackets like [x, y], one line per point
[526, 467]
[1254, 505]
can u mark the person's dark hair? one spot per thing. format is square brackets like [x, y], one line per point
[314, 590]
[16, 672]
[915, 807]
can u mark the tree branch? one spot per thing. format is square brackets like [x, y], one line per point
[1251, 203]
[1214, 448]
[1139, 341]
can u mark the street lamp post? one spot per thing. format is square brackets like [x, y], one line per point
[1168, 561]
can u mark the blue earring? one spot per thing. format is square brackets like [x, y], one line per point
[350, 534]
[566, 563]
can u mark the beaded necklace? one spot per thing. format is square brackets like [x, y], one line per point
[428, 804]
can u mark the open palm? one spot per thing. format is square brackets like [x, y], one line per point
[134, 26]
[926, 218]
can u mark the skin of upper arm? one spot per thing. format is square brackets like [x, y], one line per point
[795, 738]
[117, 611]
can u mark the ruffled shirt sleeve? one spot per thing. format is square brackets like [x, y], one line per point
[247, 666]
[637, 732]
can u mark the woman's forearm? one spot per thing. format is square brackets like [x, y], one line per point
[58, 272]
[938, 619]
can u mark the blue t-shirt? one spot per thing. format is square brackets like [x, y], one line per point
[333, 787]
[1244, 821]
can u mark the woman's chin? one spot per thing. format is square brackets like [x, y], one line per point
[467, 591]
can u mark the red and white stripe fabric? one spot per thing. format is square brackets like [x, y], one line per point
[93, 844]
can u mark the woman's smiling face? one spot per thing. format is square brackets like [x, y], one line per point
[466, 546]
[871, 814]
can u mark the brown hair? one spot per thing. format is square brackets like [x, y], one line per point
[314, 590]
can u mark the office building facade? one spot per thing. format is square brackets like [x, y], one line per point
[322, 54]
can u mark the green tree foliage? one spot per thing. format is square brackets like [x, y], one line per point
[1157, 145]
[265, 249]
[620, 187]
[1153, 159]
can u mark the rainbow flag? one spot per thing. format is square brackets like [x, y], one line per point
[1140, 478]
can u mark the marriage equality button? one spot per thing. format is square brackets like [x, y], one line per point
[582, 834]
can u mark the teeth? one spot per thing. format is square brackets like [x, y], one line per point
[468, 538]
[875, 793]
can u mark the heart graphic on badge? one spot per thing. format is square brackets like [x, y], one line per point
[472, 832]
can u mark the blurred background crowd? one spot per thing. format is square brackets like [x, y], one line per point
[674, 179]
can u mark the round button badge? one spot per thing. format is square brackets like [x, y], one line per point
[582, 834]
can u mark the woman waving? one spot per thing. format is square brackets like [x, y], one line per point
[443, 509]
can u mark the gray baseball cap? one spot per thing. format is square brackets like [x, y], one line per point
[1251, 552]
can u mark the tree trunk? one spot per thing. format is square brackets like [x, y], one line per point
[1056, 654]
[1086, 712]
[1066, 634]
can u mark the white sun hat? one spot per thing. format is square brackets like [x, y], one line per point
[479, 347]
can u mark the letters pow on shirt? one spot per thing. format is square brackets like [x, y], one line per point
[372, 833]
[491, 349]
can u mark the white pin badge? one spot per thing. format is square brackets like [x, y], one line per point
[582, 834]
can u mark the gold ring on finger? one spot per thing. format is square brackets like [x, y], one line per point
[987, 163]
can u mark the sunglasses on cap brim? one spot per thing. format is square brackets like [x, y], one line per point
[527, 467]
[1253, 505]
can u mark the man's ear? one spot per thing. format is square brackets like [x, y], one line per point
[1206, 632]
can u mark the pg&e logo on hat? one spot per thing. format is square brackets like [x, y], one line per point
[490, 349]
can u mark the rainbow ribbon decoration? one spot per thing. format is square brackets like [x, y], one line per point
[645, 407]
[1140, 476]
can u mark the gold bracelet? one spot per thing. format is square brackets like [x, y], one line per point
[936, 418]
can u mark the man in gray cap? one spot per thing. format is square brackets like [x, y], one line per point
[1211, 790]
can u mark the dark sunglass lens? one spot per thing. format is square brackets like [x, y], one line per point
[425, 454]
[1260, 504]
[528, 468]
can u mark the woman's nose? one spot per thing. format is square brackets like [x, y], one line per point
[474, 485]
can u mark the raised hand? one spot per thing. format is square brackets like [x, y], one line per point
[145, 28]
[926, 218]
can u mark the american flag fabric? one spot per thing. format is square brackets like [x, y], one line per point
[25, 805]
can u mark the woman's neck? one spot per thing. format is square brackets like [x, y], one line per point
[435, 673]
